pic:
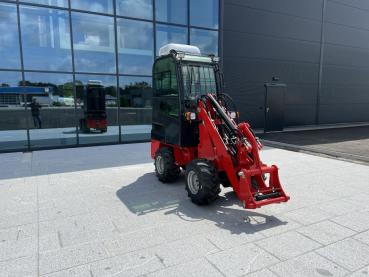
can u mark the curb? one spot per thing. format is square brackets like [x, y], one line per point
[318, 152]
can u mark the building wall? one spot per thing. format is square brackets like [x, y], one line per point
[62, 45]
[319, 48]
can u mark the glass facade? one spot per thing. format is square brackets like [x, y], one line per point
[80, 72]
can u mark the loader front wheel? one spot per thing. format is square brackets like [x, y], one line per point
[201, 182]
[165, 168]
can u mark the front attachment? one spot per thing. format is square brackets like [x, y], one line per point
[259, 184]
[260, 187]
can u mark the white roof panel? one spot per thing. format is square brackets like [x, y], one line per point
[189, 49]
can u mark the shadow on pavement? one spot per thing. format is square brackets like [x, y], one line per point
[147, 195]
[19, 165]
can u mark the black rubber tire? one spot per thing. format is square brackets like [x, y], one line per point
[209, 187]
[223, 179]
[170, 171]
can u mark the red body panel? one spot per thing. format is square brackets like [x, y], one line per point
[241, 169]
[97, 124]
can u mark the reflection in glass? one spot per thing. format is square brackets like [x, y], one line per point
[170, 34]
[204, 13]
[89, 107]
[100, 6]
[57, 3]
[135, 47]
[51, 110]
[9, 42]
[135, 107]
[13, 125]
[171, 11]
[9, 96]
[207, 41]
[45, 39]
[135, 92]
[135, 8]
[93, 38]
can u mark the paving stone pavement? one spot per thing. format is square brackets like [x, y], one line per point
[100, 211]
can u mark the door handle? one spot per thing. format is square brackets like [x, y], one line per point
[267, 109]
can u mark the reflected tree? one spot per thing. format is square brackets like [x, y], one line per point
[137, 95]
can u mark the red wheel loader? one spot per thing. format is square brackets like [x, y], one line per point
[195, 127]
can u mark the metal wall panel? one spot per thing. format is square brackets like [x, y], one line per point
[361, 4]
[291, 39]
[344, 93]
[242, 19]
[263, 39]
[308, 9]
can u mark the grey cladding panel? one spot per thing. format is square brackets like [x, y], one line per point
[344, 94]
[347, 36]
[295, 115]
[303, 8]
[246, 20]
[252, 115]
[257, 46]
[346, 15]
[249, 98]
[360, 4]
[345, 75]
[345, 56]
[258, 70]
[301, 94]
[342, 113]
[249, 93]
[259, 43]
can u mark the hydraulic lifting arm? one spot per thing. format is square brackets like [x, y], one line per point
[235, 150]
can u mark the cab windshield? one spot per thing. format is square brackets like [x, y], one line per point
[198, 80]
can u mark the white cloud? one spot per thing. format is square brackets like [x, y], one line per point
[135, 8]
[92, 40]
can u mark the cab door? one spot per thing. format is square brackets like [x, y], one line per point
[165, 101]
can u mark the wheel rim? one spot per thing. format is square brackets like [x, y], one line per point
[159, 164]
[193, 182]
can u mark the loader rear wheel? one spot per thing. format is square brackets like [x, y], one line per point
[165, 168]
[202, 183]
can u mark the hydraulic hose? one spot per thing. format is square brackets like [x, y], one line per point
[230, 125]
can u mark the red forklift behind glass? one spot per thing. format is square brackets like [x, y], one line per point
[94, 108]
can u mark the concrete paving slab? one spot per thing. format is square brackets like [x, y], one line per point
[349, 253]
[308, 265]
[364, 272]
[326, 232]
[309, 215]
[23, 266]
[262, 273]
[77, 212]
[64, 258]
[137, 263]
[363, 237]
[358, 221]
[185, 250]
[242, 260]
[288, 245]
[195, 268]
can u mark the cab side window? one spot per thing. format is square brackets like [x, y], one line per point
[166, 87]
[165, 78]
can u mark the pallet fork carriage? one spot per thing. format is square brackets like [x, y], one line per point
[195, 128]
